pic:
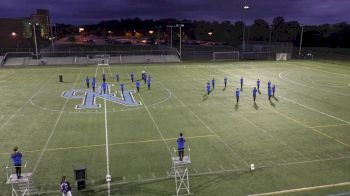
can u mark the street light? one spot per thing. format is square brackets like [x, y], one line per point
[35, 41]
[151, 32]
[245, 7]
[301, 38]
[210, 33]
[13, 34]
[171, 34]
[180, 26]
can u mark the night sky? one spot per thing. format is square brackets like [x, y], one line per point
[93, 11]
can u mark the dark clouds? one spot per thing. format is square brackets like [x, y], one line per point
[92, 11]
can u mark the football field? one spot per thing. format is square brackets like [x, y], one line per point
[299, 141]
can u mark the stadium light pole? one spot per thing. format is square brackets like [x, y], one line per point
[35, 41]
[180, 48]
[301, 38]
[270, 40]
[158, 38]
[245, 7]
[171, 34]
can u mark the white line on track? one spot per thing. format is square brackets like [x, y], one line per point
[107, 149]
[53, 130]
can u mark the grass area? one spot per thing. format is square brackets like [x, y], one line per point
[298, 139]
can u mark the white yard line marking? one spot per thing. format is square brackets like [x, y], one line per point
[156, 125]
[107, 149]
[53, 130]
[110, 144]
[331, 116]
[322, 126]
[302, 189]
[25, 103]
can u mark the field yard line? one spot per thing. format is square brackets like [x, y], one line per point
[107, 150]
[318, 89]
[111, 144]
[321, 126]
[25, 103]
[53, 130]
[110, 71]
[314, 129]
[155, 124]
[203, 123]
[302, 189]
[331, 116]
[280, 141]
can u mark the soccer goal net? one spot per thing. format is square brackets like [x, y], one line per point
[222, 56]
[281, 56]
[102, 59]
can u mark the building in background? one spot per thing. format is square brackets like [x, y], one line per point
[18, 33]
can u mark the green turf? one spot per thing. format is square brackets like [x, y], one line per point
[299, 139]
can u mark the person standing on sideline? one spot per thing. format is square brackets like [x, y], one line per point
[213, 82]
[241, 82]
[237, 95]
[149, 82]
[16, 157]
[273, 90]
[181, 146]
[258, 84]
[122, 87]
[225, 81]
[132, 77]
[138, 85]
[93, 84]
[87, 80]
[65, 187]
[254, 93]
[117, 77]
[208, 87]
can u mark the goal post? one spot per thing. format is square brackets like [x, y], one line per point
[102, 59]
[281, 56]
[224, 56]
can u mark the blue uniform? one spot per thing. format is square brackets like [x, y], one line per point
[149, 82]
[258, 84]
[138, 85]
[122, 87]
[181, 146]
[225, 81]
[241, 82]
[213, 82]
[269, 91]
[237, 95]
[269, 84]
[144, 77]
[104, 87]
[254, 93]
[104, 77]
[17, 162]
[208, 88]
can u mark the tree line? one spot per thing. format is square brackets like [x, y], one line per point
[326, 35]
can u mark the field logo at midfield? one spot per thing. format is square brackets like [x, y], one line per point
[89, 98]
